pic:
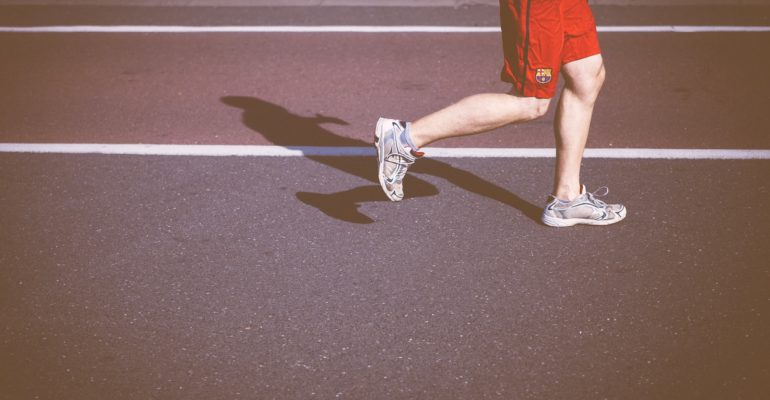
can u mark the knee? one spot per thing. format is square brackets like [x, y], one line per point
[536, 108]
[585, 78]
[592, 85]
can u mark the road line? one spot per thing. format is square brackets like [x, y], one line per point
[309, 151]
[682, 29]
[354, 29]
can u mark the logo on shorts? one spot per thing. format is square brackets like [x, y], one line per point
[543, 75]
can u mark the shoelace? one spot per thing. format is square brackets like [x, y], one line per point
[400, 162]
[592, 196]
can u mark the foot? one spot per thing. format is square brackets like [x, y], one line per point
[585, 209]
[393, 157]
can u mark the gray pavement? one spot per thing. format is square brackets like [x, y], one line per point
[201, 278]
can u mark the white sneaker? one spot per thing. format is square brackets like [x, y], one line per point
[393, 158]
[584, 209]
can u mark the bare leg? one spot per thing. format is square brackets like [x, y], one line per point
[476, 114]
[583, 81]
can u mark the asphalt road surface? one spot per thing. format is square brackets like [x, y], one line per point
[175, 277]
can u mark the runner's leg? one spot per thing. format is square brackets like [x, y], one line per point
[583, 81]
[476, 114]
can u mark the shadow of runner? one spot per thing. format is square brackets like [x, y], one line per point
[283, 128]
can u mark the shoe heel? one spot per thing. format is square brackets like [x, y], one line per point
[554, 222]
[378, 131]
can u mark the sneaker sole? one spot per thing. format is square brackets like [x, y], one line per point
[565, 222]
[378, 132]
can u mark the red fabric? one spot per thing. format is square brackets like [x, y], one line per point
[539, 36]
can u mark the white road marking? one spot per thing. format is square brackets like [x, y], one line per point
[354, 29]
[682, 29]
[309, 151]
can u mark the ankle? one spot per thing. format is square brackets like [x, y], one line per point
[567, 192]
[408, 139]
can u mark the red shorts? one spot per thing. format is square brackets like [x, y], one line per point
[539, 36]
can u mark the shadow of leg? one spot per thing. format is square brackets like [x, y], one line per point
[344, 205]
[284, 128]
[475, 184]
